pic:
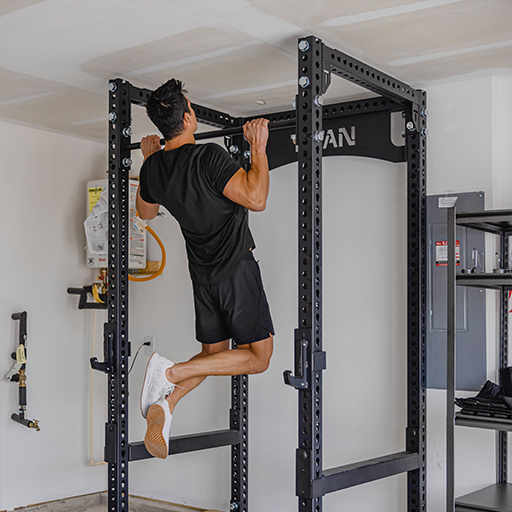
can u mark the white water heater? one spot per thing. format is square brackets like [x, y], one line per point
[96, 227]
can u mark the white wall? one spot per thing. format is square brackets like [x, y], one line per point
[460, 137]
[42, 210]
[501, 146]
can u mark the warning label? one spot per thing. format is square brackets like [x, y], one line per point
[94, 195]
[442, 253]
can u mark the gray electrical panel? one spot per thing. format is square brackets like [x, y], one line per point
[471, 320]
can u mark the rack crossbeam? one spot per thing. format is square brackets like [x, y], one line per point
[343, 477]
[370, 78]
[204, 115]
[189, 443]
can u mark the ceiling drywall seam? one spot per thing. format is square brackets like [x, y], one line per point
[189, 60]
[450, 53]
[386, 13]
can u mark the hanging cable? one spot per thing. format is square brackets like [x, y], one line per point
[136, 354]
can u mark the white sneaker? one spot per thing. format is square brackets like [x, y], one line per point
[156, 385]
[159, 420]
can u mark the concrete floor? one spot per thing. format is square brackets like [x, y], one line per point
[98, 503]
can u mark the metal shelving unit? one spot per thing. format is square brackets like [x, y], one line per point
[498, 497]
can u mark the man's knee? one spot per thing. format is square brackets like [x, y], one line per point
[263, 365]
[263, 352]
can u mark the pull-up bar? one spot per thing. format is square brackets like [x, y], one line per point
[236, 130]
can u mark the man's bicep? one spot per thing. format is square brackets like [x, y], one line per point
[146, 211]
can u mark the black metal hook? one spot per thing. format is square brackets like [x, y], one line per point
[108, 350]
[83, 303]
[22, 317]
[300, 380]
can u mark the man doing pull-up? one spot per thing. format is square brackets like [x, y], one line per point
[209, 195]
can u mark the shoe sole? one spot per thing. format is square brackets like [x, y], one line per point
[145, 382]
[154, 441]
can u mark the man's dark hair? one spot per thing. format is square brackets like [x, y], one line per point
[166, 107]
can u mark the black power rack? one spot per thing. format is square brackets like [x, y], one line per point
[301, 134]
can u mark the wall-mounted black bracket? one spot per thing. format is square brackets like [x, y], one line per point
[22, 317]
[17, 374]
[14, 374]
[84, 293]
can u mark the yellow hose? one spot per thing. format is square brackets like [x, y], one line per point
[162, 266]
[96, 294]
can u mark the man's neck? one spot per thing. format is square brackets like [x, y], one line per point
[180, 140]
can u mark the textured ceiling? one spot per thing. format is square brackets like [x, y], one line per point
[56, 56]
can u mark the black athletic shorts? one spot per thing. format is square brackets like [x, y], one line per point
[234, 308]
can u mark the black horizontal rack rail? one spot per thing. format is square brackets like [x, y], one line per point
[496, 498]
[305, 134]
[190, 443]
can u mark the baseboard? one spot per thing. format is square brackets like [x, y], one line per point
[98, 502]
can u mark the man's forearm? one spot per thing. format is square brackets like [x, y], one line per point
[250, 189]
[258, 179]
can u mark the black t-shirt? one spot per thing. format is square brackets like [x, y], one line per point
[189, 182]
